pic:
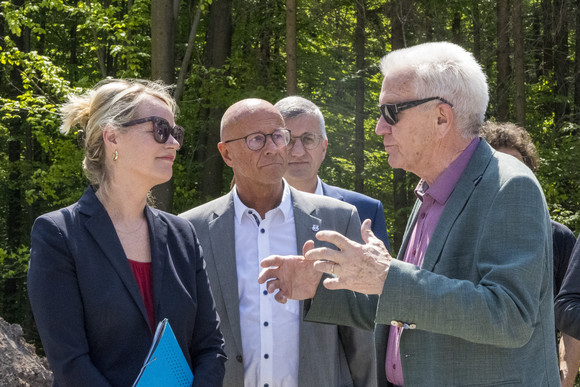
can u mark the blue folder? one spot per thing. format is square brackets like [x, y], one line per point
[165, 364]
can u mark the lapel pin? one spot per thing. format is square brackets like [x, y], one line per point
[315, 227]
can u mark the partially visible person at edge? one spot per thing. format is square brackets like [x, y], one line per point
[105, 270]
[470, 302]
[307, 150]
[267, 343]
[514, 140]
[568, 315]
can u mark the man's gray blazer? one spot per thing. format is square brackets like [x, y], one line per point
[330, 355]
[481, 304]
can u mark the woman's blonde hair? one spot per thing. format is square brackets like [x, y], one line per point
[111, 102]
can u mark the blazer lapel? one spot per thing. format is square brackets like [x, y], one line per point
[456, 202]
[101, 228]
[222, 237]
[306, 224]
[410, 225]
[159, 254]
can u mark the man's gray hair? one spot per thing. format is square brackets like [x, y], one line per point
[446, 70]
[294, 106]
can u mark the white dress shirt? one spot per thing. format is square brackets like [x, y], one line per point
[318, 190]
[270, 330]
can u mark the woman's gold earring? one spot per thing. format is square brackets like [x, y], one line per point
[115, 155]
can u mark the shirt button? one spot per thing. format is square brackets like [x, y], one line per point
[239, 358]
[262, 230]
[265, 292]
[266, 385]
[423, 216]
[265, 323]
[266, 356]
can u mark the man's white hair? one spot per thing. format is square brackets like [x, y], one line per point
[446, 70]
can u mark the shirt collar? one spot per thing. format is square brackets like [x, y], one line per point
[442, 188]
[318, 190]
[285, 206]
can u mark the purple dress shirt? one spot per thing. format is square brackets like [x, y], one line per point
[433, 199]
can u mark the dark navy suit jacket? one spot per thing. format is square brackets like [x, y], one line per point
[368, 208]
[567, 305]
[88, 307]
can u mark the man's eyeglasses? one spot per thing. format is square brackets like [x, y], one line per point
[256, 141]
[308, 140]
[390, 111]
[161, 129]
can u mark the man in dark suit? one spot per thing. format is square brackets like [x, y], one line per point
[268, 343]
[307, 150]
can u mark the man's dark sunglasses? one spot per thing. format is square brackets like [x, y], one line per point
[390, 111]
[161, 129]
[256, 141]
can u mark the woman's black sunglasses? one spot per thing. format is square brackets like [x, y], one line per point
[161, 129]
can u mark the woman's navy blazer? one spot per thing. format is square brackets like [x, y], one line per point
[88, 307]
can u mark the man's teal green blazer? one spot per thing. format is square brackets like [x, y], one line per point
[481, 304]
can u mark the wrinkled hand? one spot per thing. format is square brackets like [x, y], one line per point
[361, 268]
[292, 275]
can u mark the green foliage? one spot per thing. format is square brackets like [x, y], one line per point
[55, 47]
[559, 175]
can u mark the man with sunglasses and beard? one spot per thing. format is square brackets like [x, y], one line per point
[267, 343]
[469, 299]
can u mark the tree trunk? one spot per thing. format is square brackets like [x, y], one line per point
[503, 64]
[518, 39]
[187, 56]
[398, 28]
[537, 42]
[401, 199]
[476, 30]
[291, 59]
[577, 67]
[561, 68]
[218, 49]
[359, 119]
[163, 68]
[456, 28]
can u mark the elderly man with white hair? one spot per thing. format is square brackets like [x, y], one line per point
[469, 299]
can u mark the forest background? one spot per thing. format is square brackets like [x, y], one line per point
[218, 52]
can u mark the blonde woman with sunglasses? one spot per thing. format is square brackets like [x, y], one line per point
[107, 269]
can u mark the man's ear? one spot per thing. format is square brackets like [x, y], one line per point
[324, 146]
[226, 155]
[445, 119]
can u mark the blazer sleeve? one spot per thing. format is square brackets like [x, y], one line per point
[492, 276]
[57, 306]
[567, 304]
[342, 307]
[379, 225]
[357, 344]
[208, 356]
